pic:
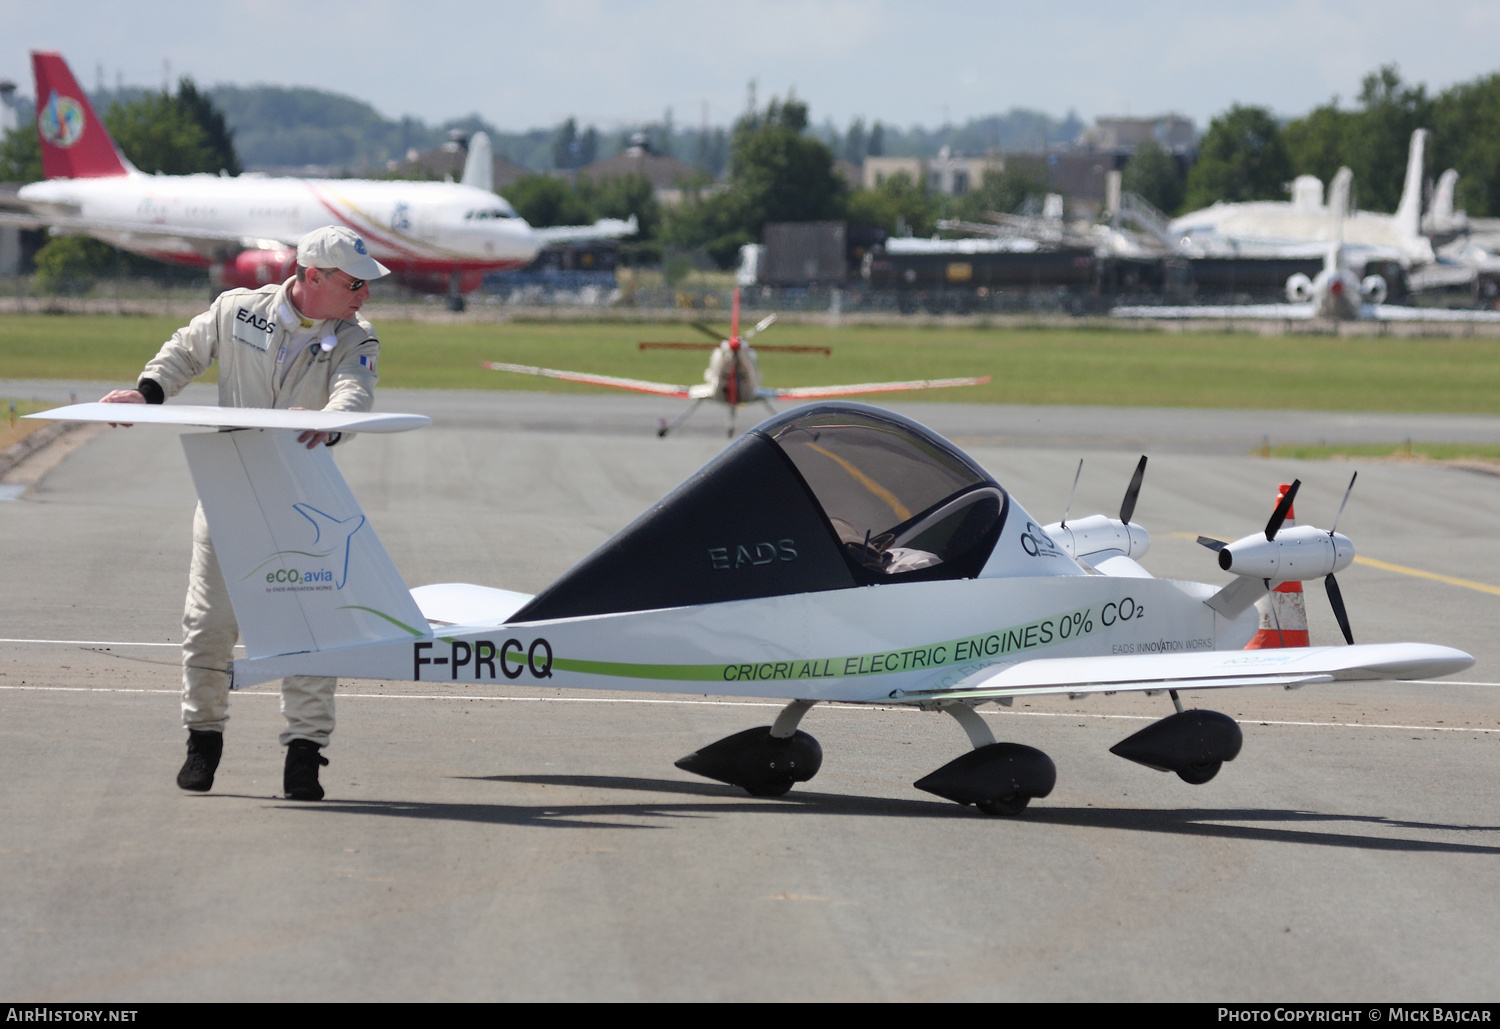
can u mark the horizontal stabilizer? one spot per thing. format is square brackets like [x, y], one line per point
[1215, 669]
[235, 417]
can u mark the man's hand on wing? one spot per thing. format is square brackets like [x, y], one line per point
[122, 396]
[312, 437]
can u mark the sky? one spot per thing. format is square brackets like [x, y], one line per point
[612, 63]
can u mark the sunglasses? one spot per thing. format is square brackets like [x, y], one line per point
[355, 285]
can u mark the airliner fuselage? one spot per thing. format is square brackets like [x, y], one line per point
[434, 227]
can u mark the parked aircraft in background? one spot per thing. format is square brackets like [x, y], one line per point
[1271, 228]
[435, 236]
[1337, 294]
[732, 377]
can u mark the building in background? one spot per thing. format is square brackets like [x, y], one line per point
[669, 177]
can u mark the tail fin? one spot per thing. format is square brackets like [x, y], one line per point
[479, 168]
[304, 568]
[1409, 212]
[1338, 192]
[75, 144]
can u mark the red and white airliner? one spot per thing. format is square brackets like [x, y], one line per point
[442, 236]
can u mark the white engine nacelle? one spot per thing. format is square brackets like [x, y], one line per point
[1372, 289]
[1298, 552]
[1299, 288]
[1098, 533]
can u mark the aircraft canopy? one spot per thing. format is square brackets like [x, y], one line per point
[828, 496]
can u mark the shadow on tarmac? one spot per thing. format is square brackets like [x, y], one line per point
[710, 799]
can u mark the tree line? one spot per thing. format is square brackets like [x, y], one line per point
[777, 168]
[1247, 154]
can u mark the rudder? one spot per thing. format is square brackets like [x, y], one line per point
[75, 144]
[304, 567]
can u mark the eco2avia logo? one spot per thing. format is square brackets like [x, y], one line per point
[329, 548]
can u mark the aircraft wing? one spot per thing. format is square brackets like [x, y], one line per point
[235, 417]
[613, 382]
[1395, 313]
[604, 228]
[15, 220]
[1289, 312]
[1215, 669]
[814, 392]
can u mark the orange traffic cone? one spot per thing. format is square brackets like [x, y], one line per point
[1283, 611]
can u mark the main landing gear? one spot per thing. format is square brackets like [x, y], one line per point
[1194, 744]
[996, 778]
[765, 761]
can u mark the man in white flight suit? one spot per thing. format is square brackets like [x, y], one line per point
[299, 345]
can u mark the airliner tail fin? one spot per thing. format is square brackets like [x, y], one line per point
[75, 144]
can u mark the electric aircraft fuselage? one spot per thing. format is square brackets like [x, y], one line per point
[836, 552]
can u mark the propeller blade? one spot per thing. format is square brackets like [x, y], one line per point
[1279, 515]
[761, 326]
[1336, 598]
[709, 331]
[678, 346]
[1211, 543]
[795, 349]
[1343, 502]
[1069, 505]
[1127, 506]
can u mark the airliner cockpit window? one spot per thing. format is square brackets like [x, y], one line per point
[900, 499]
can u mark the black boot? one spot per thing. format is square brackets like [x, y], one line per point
[203, 751]
[300, 780]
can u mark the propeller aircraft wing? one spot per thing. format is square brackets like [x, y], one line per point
[665, 389]
[733, 375]
[860, 389]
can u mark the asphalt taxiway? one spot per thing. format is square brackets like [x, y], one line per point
[506, 844]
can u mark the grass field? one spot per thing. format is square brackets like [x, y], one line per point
[1407, 450]
[13, 427]
[1033, 366]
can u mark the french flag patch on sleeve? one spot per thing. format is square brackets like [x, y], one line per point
[367, 361]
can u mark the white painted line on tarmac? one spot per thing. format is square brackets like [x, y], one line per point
[830, 705]
[96, 643]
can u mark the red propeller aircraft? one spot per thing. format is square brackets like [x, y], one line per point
[733, 375]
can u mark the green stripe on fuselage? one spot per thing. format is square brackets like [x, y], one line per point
[977, 647]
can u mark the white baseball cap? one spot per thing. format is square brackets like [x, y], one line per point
[335, 246]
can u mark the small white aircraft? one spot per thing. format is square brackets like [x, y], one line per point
[1335, 294]
[1268, 228]
[436, 236]
[733, 375]
[873, 563]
